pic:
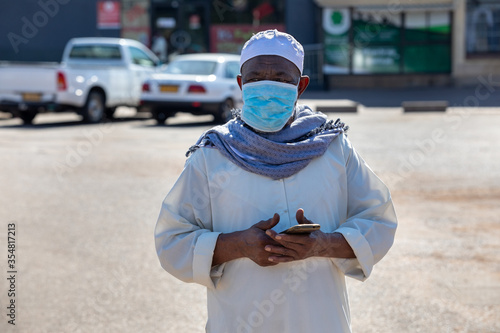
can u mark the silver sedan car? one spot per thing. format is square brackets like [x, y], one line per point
[203, 83]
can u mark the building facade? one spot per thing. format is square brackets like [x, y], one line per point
[39, 30]
[408, 42]
[214, 25]
[349, 43]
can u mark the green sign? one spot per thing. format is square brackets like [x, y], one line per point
[336, 25]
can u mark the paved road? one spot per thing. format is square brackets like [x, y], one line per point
[84, 200]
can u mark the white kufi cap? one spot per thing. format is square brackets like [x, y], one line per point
[273, 42]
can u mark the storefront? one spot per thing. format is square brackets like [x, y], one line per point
[367, 41]
[192, 26]
[409, 43]
[370, 44]
[234, 22]
[136, 20]
[183, 24]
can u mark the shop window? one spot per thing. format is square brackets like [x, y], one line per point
[427, 58]
[255, 12]
[439, 26]
[483, 27]
[374, 27]
[427, 42]
[368, 41]
[337, 45]
[233, 22]
[376, 59]
[376, 41]
[427, 26]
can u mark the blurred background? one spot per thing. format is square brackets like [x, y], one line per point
[349, 43]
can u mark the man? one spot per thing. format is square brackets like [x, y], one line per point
[275, 165]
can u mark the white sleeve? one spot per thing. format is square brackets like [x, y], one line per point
[371, 220]
[183, 235]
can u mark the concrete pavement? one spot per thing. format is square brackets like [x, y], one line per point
[85, 198]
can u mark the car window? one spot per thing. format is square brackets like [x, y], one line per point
[195, 67]
[139, 57]
[95, 52]
[232, 69]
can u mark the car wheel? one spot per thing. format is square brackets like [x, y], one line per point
[161, 116]
[27, 117]
[224, 114]
[94, 109]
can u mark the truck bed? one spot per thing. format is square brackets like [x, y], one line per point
[25, 83]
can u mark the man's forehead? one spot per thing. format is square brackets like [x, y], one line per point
[269, 60]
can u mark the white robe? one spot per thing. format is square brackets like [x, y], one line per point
[213, 196]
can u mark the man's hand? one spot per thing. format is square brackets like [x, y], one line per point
[255, 241]
[249, 243]
[315, 244]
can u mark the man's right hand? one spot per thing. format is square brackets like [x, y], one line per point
[255, 240]
[249, 243]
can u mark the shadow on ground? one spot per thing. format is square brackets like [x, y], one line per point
[475, 96]
[69, 120]
[62, 123]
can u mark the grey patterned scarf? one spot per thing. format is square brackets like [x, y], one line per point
[276, 155]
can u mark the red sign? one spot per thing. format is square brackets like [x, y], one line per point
[108, 15]
[229, 38]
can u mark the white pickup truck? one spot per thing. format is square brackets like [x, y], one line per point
[96, 75]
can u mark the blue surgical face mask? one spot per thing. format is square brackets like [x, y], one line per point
[267, 105]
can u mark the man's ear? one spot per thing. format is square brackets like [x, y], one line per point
[238, 79]
[303, 83]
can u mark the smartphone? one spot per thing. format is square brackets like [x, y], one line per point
[301, 229]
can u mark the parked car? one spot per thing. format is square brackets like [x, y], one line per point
[203, 83]
[96, 76]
